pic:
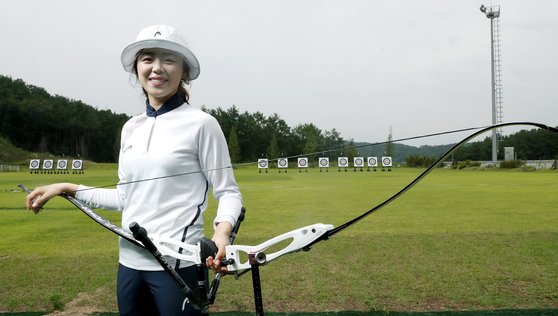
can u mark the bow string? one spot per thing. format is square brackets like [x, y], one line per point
[290, 157]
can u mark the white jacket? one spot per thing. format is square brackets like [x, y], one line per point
[183, 141]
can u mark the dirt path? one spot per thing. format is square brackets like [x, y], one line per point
[84, 304]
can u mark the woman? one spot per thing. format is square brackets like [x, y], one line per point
[170, 138]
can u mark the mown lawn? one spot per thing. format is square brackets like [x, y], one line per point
[459, 240]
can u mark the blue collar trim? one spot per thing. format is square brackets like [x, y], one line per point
[171, 104]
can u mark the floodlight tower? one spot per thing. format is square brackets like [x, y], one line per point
[493, 13]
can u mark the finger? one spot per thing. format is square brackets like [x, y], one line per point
[220, 252]
[210, 263]
[32, 203]
[38, 202]
[29, 200]
[36, 210]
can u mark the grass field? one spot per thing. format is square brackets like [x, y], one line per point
[459, 240]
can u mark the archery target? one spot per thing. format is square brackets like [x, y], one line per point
[283, 163]
[34, 164]
[386, 161]
[324, 162]
[47, 164]
[342, 161]
[62, 164]
[358, 162]
[262, 164]
[372, 162]
[303, 162]
[77, 165]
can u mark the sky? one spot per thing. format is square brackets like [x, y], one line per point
[361, 67]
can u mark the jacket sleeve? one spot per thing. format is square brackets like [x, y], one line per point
[108, 199]
[216, 164]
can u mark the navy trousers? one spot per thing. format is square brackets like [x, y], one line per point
[153, 292]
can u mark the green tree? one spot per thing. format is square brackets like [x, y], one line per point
[273, 148]
[308, 137]
[331, 140]
[350, 150]
[234, 147]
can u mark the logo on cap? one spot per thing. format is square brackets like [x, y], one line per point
[157, 33]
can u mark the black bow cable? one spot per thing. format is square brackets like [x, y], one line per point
[422, 175]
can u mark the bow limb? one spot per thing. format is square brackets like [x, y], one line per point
[94, 216]
[191, 252]
[426, 172]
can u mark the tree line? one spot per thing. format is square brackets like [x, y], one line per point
[36, 121]
[254, 135]
[534, 144]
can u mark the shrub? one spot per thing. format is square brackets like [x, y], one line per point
[511, 164]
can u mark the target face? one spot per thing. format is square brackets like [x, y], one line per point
[262, 163]
[324, 162]
[386, 161]
[47, 164]
[303, 162]
[77, 165]
[358, 162]
[343, 161]
[372, 162]
[62, 164]
[283, 162]
[34, 164]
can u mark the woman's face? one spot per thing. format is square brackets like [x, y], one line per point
[159, 72]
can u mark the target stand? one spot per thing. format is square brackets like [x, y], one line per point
[282, 164]
[77, 166]
[262, 165]
[302, 164]
[358, 164]
[323, 162]
[342, 163]
[386, 163]
[372, 162]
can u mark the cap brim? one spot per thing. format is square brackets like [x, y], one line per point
[128, 56]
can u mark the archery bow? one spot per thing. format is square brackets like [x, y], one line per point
[304, 238]
[301, 239]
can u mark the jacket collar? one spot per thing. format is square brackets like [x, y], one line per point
[171, 104]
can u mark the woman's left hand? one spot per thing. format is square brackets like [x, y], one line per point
[221, 240]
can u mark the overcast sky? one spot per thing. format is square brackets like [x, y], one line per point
[356, 66]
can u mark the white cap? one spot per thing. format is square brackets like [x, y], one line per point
[160, 36]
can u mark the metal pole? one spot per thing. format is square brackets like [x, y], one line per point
[494, 134]
[256, 283]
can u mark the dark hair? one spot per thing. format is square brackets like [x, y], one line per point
[181, 88]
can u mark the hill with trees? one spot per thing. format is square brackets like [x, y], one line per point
[34, 121]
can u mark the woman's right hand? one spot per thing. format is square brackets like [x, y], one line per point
[38, 197]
